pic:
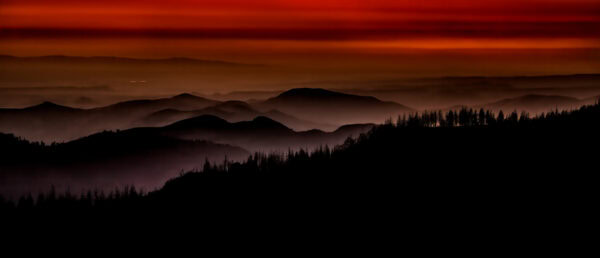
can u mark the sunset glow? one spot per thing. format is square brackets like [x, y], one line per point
[242, 108]
[300, 20]
[377, 34]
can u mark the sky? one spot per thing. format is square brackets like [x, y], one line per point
[303, 19]
[560, 36]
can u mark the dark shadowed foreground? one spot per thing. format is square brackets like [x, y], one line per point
[471, 157]
[457, 176]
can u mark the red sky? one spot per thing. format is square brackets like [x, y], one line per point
[302, 19]
[309, 32]
[390, 37]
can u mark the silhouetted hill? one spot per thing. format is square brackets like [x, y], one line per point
[306, 109]
[169, 116]
[304, 95]
[148, 156]
[331, 107]
[535, 103]
[181, 102]
[47, 106]
[42, 108]
[441, 92]
[104, 161]
[46, 121]
[259, 134]
[51, 122]
[263, 123]
[233, 111]
[321, 94]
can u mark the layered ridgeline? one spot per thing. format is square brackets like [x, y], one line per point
[146, 157]
[421, 166]
[299, 109]
[103, 161]
[233, 111]
[51, 122]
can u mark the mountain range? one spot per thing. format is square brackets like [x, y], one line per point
[233, 111]
[299, 109]
[151, 140]
[52, 122]
[260, 134]
[147, 156]
[326, 106]
[535, 104]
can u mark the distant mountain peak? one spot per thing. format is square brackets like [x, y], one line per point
[185, 96]
[319, 94]
[264, 123]
[329, 97]
[47, 105]
[210, 122]
[311, 92]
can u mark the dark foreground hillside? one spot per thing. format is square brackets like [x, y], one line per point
[103, 161]
[443, 172]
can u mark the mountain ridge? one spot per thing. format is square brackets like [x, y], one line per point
[535, 103]
[326, 106]
[259, 134]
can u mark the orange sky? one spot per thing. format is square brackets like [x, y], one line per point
[323, 25]
[398, 37]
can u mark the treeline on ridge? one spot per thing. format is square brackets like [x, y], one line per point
[432, 156]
